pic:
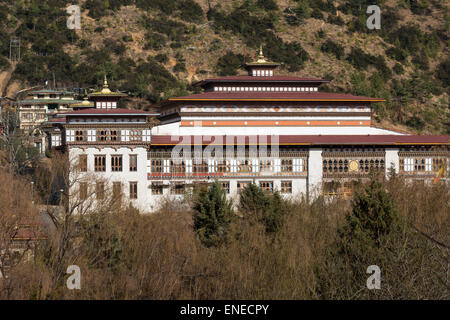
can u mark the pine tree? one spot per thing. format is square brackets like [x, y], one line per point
[213, 213]
[253, 202]
[374, 216]
[259, 206]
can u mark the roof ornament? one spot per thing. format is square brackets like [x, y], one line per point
[261, 58]
[105, 86]
[85, 99]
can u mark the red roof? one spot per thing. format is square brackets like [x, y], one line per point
[275, 96]
[117, 111]
[58, 120]
[29, 233]
[247, 78]
[307, 139]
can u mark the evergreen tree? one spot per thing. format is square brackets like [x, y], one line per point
[259, 206]
[374, 216]
[213, 213]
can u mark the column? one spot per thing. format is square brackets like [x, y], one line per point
[314, 172]
[392, 160]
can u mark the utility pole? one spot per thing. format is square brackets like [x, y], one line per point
[14, 49]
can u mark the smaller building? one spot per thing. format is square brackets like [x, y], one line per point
[41, 105]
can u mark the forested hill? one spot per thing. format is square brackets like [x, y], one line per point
[156, 49]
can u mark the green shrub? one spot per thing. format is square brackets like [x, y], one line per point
[336, 49]
[212, 215]
[190, 11]
[229, 63]
[337, 20]
[269, 5]
[398, 69]
[258, 206]
[317, 14]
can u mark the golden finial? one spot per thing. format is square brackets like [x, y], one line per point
[105, 86]
[261, 58]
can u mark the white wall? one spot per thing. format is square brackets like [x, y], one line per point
[315, 172]
[392, 160]
[125, 176]
[176, 129]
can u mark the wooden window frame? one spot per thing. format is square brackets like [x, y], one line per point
[225, 185]
[100, 163]
[266, 186]
[116, 163]
[177, 188]
[133, 162]
[286, 187]
[157, 165]
[133, 190]
[157, 188]
[241, 185]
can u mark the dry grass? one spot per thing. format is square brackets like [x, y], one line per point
[125, 255]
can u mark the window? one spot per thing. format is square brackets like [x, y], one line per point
[133, 162]
[265, 165]
[176, 188]
[225, 186]
[286, 165]
[157, 165]
[223, 166]
[79, 135]
[200, 167]
[100, 190]
[91, 136]
[101, 135]
[82, 162]
[116, 163]
[117, 190]
[286, 187]
[114, 135]
[83, 190]
[135, 135]
[133, 190]
[241, 185]
[100, 163]
[428, 165]
[106, 135]
[56, 140]
[409, 164]
[157, 188]
[298, 165]
[146, 135]
[245, 166]
[177, 166]
[266, 185]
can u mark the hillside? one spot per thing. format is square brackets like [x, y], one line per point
[156, 49]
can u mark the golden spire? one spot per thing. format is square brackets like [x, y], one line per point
[85, 99]
[105, 86]
[261, 58]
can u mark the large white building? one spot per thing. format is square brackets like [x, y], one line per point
[280, 132]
